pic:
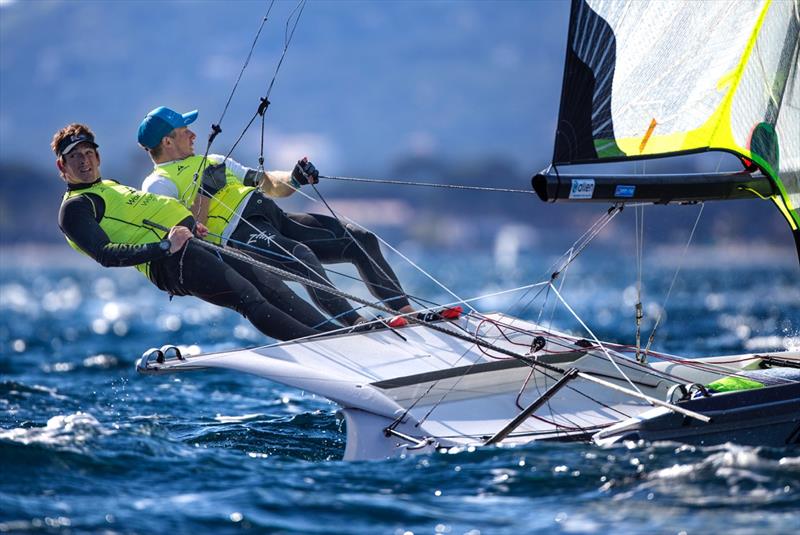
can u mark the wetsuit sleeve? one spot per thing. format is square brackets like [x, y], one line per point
[78, 221]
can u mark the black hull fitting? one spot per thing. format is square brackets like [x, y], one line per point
[767, 416]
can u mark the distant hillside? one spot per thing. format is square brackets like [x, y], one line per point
[443, 217]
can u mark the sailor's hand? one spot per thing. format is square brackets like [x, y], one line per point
[254, 178]
[305, 172]
[213, 179]
[200, 230]
[178, 236]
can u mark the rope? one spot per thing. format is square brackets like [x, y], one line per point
[246, 62]
[560, 265]
[262, 107]
[672, 283]
[243, 246]
[287, 275]
[217, 128]
[639, 232]
[411, 317]
[416, 266]
[354, 240]
[427, 184]
[596, 340]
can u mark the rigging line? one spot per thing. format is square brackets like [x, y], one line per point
[243, 246]
[260, 111]
[546, 291]
[544, 304]
[288, 35]
[561, 281]
[711, 367]
[287, 252]
[674, 279]
[427, 184]
[572, 253]
[584, 240]
[422, 395]
[262, 108]
[216, 128]
[397, 421]
[447, 392]
[303, 280]
[358, 244]
[639, 233]
[589, 236]
[596, 340]
[644, 369]
[417, 267]
[558, 427]
[287, 40]
[478, 298]
[553, 414]
[282, 248]
[578, 391]
[401, 255]
[246, 62]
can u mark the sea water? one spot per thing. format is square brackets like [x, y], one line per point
[87, 445]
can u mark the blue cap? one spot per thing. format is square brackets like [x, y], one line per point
[160, 122]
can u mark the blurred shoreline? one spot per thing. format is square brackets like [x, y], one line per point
[713, 257]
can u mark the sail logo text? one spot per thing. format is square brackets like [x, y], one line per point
[582, 188]
[624, 191]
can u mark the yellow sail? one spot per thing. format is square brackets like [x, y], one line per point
[650, 79]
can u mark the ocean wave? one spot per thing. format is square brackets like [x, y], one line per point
[62, 431]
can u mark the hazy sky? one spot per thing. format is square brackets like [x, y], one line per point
[362, 82]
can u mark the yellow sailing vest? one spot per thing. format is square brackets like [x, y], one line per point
[223, 205]
[126, 210]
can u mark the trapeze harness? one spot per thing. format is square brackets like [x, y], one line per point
[122, 239]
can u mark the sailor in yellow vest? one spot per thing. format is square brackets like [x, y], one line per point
[106, 220]
[232, 202]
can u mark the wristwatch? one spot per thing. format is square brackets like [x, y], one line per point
[164, 245]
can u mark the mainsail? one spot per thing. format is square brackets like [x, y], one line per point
[651, 79]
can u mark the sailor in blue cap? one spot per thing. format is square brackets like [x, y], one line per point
[234, 202]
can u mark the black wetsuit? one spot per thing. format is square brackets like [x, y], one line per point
[271, 306]
[301, 243]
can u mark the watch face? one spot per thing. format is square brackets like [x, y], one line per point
[164, 244]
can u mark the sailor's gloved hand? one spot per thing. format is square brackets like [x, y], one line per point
[253, 178]
[213, 179]
[305, 172]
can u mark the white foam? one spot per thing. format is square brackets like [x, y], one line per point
[231, 419]
[61, 430]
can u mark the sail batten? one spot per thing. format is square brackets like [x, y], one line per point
[670, 77]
